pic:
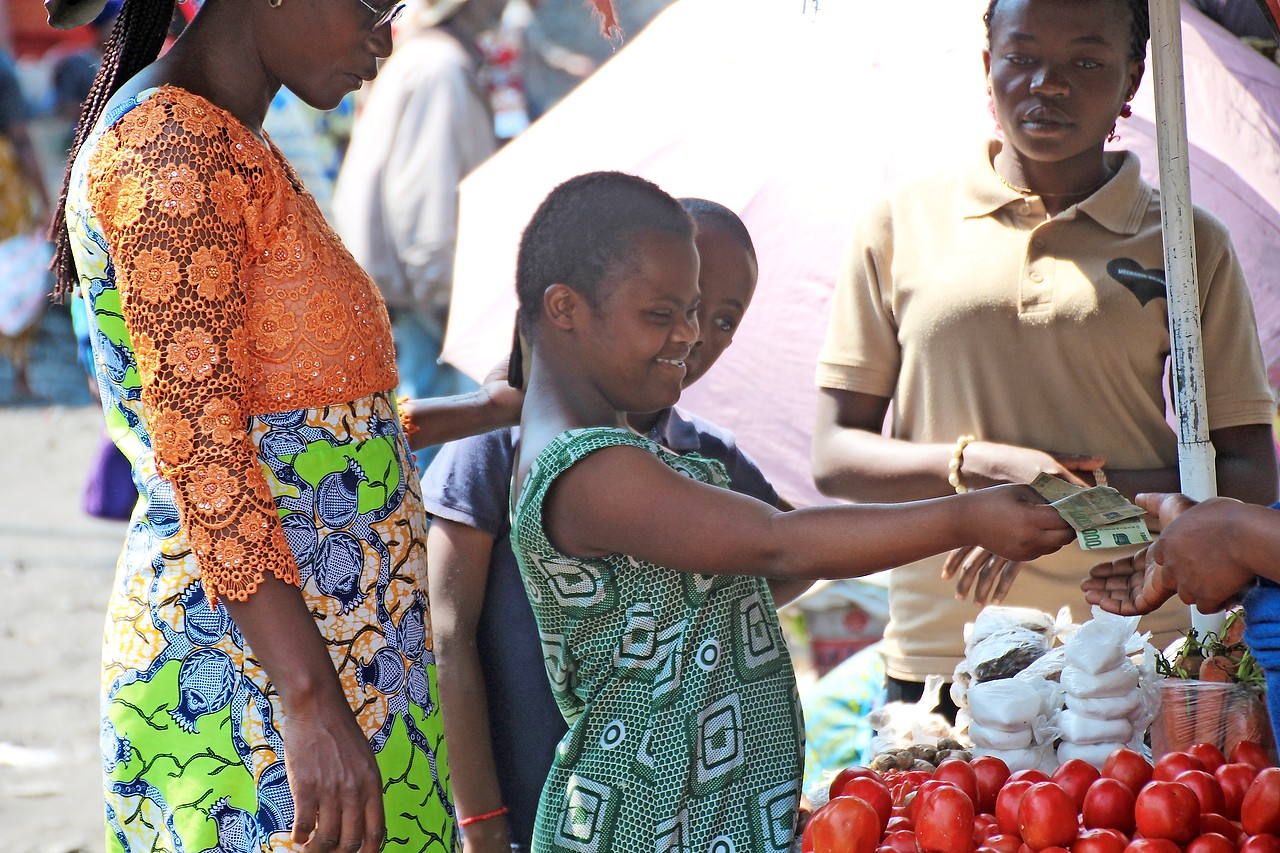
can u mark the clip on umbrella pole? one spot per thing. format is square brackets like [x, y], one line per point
[1195, 451]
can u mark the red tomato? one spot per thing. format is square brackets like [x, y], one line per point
[960, 774]
[1108, 804]
[1209, 755]
[946, 822]
[1216, 823]
[1100, 841]
[844, 825]
[1168, 810]
[1172, 764]
[901, 842]
[843, 777]
[1235, 780]
[872, 792]
[1211, 842]
[1208, 790]
[1129, 767]
[1260, 811]
[1261, 844]
[1047, 816]
[1003, 843]
[931, 785]
[1032, 776]
[1152, 845]
[984, 826]
[1075, 776]
[1007, 804]
[1248, 752]
[991, 773]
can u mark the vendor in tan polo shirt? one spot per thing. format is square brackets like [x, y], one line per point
[1015, 315]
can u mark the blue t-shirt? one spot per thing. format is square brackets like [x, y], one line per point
[469, 482]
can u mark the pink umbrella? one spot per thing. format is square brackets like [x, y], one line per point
[798, 121]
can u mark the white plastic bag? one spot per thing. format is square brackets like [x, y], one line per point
[1009, 704]
[1093, 753]
[1118, 681]
[1078, 729]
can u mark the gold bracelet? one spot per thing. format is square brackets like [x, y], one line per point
[957, 459]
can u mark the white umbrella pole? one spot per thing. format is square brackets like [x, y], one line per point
[1195, 451]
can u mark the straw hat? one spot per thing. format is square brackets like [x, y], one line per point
[69, 14]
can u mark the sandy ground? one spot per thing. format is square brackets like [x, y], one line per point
[55, 571]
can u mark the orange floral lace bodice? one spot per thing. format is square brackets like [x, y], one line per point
[239, 300]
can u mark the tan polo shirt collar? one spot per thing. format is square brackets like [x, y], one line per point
[1119, 206]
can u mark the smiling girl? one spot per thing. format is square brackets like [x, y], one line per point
[648, 577]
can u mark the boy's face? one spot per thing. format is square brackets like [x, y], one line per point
[727, 279]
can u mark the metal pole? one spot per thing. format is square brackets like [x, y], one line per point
[1195, 451]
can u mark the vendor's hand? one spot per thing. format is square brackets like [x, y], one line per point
[989, 575]
[1196, 548]
[987, 463]
[506, 400]
[335, 782]
[1013, 522]
[1131, 586]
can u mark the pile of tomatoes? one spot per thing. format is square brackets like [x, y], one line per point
[1197, 801]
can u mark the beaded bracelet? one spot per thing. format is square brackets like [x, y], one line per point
[467, 821]
[957, 459]
[404, 408]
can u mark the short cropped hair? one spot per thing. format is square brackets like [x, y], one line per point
[714, 216]
[1139, 26]
[586, 229]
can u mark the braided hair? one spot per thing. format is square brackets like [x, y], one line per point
[135, 42]
[1139, 26]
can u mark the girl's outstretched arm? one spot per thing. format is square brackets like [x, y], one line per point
[624, 500]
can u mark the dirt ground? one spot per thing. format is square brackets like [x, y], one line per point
[55, 571]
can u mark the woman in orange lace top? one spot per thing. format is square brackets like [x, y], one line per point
[269, 682]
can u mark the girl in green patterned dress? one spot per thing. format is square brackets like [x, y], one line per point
[650, 581]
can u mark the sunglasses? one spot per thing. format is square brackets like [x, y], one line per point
[383, 17]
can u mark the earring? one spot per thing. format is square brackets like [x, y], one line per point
[1126, 111]
[274, 4]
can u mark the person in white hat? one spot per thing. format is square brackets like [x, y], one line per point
[425, 125]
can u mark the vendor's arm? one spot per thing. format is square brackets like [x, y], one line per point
[852, 459]
[458, 558]
[1207, 554]
[186, 331]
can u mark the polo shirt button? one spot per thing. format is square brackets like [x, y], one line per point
[1038, 243]
[1026, 208]
[1036, 277]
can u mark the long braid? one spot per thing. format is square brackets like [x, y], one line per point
[1139, 26]
[135, 42]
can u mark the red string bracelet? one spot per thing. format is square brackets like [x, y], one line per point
[467, 821]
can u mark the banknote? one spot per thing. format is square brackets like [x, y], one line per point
[1085, 509]
[1132, 531]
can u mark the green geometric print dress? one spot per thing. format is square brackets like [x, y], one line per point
[685, 732]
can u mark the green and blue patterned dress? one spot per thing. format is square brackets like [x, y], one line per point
[685, 732]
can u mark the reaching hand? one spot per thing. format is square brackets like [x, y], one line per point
[508, 401]
[989, 575]
[1016, 524]
[987, 463]
[1131, 586]
[1192, 558]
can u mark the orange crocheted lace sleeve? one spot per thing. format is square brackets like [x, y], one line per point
[172, 185]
